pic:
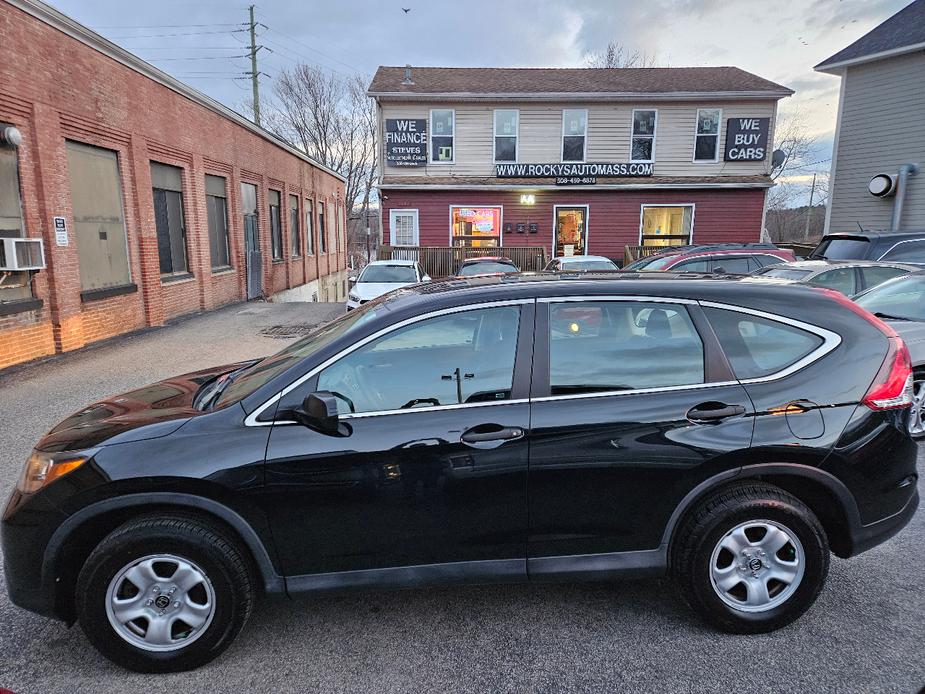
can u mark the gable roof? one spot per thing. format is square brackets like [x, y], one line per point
[589, 83]
[904, 32]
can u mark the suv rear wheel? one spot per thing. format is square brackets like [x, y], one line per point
[164, 594]
[751, 558]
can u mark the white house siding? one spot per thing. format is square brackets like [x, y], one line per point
[882, 127]
[609, 133]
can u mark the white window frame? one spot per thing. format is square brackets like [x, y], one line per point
[495, 136]
[432, 133]
[392, 226]
[642, 213]
[719, 132]
[633, 135]
[584, 149]
[555, 232]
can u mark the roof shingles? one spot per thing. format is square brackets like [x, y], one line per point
[521, 81]
[906, 28]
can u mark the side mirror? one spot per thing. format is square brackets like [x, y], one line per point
[352, 279]
[425, 278]
[719, 270]
[319, 412]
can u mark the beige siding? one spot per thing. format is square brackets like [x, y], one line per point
[882, 127]
[609, 132]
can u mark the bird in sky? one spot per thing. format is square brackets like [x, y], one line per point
[406, 10]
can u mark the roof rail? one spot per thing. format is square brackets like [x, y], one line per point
[716, 247]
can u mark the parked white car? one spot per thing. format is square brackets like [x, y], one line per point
[581, 263]
[382, 276]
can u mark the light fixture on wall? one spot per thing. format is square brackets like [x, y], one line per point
[11, 136]
[528, 199]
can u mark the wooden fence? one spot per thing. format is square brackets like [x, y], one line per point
[443, 261]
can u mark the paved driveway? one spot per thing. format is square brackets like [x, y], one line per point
[865, 633]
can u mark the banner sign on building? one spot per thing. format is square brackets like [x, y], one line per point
[567, 171]
[406, 141]
[747, 139]
[60, 231]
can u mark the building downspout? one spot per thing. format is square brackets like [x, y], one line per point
[905, 171]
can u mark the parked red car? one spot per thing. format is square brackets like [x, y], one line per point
[722, 258]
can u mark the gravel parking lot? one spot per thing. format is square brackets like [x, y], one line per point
[863, 635]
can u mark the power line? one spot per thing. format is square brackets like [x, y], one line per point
[313, 61]
[185, 33]
[315, 50]
[196, 57]
[166, 26]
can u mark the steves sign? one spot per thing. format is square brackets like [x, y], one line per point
[747, 139]
[570, 171]
[405, 141]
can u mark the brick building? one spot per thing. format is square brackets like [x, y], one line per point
[573, 161]
[151, 199]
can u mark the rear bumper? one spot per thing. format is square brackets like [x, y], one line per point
[865, 537]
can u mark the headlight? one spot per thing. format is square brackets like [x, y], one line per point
[353, 297]
[43, 468]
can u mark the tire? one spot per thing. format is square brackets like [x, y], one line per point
[917, 413]
[749, 517]
[212, 588]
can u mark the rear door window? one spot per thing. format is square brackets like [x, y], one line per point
[907, 251]
[878, 275]
[601, 346]
[842, 280]
[757, 346]
[733, 266]
[697, 265]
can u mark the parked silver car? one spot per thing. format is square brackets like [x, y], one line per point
[850, 277]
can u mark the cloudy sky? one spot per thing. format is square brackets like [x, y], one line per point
[202, 42]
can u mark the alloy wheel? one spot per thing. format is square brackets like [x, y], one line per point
[757, 566]
[160, 602]
[917, 413]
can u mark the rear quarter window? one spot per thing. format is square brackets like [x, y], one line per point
[758, 347]
[907, 252]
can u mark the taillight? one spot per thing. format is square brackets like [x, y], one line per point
[892, 388]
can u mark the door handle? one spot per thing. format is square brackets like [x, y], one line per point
[490, 433]
[713, 412]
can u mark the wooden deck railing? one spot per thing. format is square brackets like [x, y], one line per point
[443, 261]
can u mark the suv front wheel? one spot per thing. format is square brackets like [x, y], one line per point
[164, 594]
[751, 558]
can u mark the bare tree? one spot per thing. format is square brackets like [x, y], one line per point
[618, 55]
[793, 138]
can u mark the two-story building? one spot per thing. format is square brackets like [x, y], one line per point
[579, 161]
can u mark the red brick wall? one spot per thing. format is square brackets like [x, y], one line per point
[53, 88]
[613, 216]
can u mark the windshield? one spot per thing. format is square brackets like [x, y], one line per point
[783, 273]
[844, 248]
[249, 379]
[388, 273]
[659, 262]
[588, 265]
[899, 298]
[487, 267]
[640, 264]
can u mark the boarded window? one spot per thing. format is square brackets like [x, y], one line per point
[99, 224]
[322, 241]
[167, 182]
[217, 209]
[309, 229]
[295, 237]
[15, 285]
[276, 227]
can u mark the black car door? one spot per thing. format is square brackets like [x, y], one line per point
[633, 406]
[432, 467]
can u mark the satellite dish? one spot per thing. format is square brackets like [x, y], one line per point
[777, 158]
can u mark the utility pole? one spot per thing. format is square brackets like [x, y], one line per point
[254, 74]
[809, 211]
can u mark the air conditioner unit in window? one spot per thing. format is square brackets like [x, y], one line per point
[21, 254]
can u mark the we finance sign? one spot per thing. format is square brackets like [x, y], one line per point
[406, 141]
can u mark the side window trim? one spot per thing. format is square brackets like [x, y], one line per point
[526, 327]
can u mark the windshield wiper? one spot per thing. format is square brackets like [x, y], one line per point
[888, 316]
[218, 387]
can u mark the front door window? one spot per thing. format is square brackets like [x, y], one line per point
[571, 231]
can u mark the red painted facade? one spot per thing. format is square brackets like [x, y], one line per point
[614, 216]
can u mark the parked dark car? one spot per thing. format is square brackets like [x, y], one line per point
[500, 429]
[896, 247]
[720, 258]
[901, 303]
[487, 265]
[850, 277]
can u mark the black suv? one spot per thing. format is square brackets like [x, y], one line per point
[498, 429]
[898, 247]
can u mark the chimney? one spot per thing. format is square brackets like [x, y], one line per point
[407, 79]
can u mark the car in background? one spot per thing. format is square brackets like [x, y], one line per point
[897, 247]
[382, 276]
[720, 258]
[581, 263]
[901, 303]
[849, 277]
[487, 265]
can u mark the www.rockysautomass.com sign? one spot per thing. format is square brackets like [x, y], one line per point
[589, 170]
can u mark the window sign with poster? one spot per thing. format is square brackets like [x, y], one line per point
[475, 227]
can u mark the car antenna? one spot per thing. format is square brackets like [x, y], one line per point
[859, 226]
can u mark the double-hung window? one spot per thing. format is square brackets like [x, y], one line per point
[276, 228]
[574, 134]
[442, 136]
[217, 217]
[706, 141]
[506, 124]
[295, 237]
[309, 229]
[643, 146]
[13, 286]
[322, 238]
